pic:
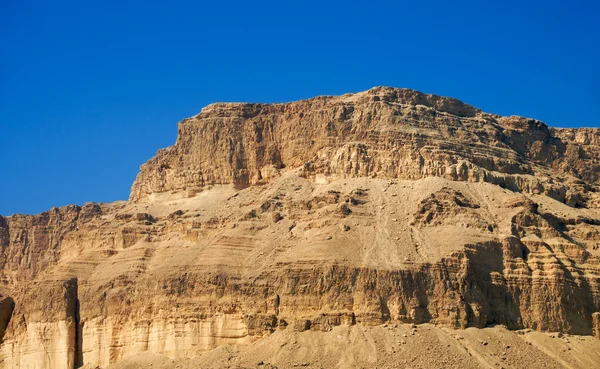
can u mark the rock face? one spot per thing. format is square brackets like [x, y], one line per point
[383, 132]
[386, 205]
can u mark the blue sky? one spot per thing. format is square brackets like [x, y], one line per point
[90, 90]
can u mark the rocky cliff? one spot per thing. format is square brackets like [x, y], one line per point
[383, 206]
[384, 132]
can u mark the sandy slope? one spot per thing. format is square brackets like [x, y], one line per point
[394, 346]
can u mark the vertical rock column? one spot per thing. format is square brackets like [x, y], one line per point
[596, 325]
[44, 330]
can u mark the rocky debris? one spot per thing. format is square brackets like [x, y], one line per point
[176, 214]
[282, 324]
[442, 205]
[277, 217]
[250, 215]
[343, 210]
[302, 325]
[145, 218]
[377, 347]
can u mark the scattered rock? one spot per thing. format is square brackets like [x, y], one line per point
[277, 217]
[176, 214]
[343, 210]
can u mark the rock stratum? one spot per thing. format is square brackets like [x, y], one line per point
[333, 214]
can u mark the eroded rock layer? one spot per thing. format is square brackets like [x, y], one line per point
[384, 132]
[386, 205]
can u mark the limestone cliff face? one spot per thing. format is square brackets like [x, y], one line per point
[384, 132]
[387, 205]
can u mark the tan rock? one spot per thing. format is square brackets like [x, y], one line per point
[244, 225]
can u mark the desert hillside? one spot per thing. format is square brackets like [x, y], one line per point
[387, 228]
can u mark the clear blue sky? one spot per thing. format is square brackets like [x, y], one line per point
[90, 92]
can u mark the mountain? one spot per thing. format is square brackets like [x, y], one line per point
[386, 219]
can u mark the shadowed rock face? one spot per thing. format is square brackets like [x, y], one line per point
[386, 205]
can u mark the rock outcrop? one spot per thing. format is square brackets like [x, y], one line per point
[384, 132]
[382, 206]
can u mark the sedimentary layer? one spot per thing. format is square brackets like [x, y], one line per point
[387, 206]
